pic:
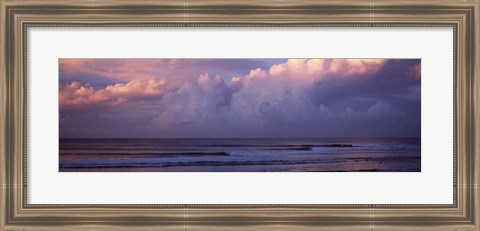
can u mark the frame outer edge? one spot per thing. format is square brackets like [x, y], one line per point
[476, 113]
[6, 145]
[3, 117]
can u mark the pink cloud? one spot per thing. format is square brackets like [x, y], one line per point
[343, 67]
[74, 93]
[305, 71]
[143, 79]
[351, 67]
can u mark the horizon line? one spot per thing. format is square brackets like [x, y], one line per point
[240, 137]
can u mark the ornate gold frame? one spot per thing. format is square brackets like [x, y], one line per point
[17, 16]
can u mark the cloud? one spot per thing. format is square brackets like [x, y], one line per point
[295, 98]
[76, 94]
[306, 71]
[283, 90]
[317, 67]
[275, 98]
[195, 101]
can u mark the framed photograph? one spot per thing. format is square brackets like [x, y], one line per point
[240, 115]
[138, 115]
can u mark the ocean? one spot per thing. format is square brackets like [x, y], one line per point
[241, 155]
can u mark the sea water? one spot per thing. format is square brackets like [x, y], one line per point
[241, 155]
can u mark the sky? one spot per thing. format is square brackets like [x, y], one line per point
[239, 98]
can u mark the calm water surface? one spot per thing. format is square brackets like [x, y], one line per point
[240, 155]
